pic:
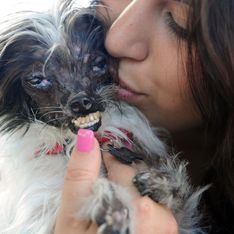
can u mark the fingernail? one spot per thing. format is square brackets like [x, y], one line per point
[85, 140]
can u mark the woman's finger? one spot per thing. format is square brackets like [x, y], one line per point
[148, 216]
[120, 173]
[152, 218]
[82, 170]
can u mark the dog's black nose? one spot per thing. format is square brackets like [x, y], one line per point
[81, 105]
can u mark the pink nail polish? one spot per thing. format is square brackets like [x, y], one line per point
[85, 140]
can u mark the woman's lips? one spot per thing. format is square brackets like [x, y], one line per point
[127, 93]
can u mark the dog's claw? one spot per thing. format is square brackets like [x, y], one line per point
[124, 155]
[113, 218]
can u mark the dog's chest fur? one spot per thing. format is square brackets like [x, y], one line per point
[30, 181]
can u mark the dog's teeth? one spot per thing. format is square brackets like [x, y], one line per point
[91, 117]
[87, 121]
[77, 122]
[96, 116]
[82, 120]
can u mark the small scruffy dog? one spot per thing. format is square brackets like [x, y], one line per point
[55, 77]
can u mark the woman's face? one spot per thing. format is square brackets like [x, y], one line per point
[148, 36]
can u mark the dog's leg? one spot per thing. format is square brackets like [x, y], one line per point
[108, 208]
[163, 181]
[167, 183]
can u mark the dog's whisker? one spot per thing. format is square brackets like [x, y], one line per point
[46, 124]
[55, 119]
[54, 111]
[51, 113]
[47, 107]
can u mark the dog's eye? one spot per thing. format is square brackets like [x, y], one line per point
[39, 82]
[99, 66]
[36, 80]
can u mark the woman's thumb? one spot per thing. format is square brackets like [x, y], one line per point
[82, 170]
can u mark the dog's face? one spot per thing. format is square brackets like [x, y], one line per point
[54, 72]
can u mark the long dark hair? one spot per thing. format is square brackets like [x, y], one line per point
[211, 78]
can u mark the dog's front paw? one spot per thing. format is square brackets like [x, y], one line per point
[154, 185]
[169, 186]
[163, 187]
[113, 220]
[108, 207]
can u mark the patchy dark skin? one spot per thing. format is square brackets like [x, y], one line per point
[61, 84]
[66, 86]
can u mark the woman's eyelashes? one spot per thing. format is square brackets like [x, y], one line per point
[175, 27]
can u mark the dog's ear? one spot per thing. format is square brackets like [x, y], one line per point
[10, 85]
[25, 39]
[82, 25]
[22, 41]
[86, 29]
[19, 46]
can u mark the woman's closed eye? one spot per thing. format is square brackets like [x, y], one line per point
[176, 15]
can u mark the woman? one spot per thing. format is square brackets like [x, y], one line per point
[177, 66]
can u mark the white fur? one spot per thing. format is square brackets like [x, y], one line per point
[30, 185]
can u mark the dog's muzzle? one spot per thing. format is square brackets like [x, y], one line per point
[91, 121]
[87, 112]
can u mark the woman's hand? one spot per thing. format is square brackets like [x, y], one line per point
[149, 217]
[82, 170]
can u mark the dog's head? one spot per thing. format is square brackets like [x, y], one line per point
[53, 69]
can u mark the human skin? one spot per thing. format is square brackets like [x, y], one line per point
[147, 39]
[152, 60]
[82, 170]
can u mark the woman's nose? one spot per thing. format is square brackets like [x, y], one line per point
[127, 37]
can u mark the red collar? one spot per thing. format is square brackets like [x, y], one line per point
[58, 148]
[109, 136]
